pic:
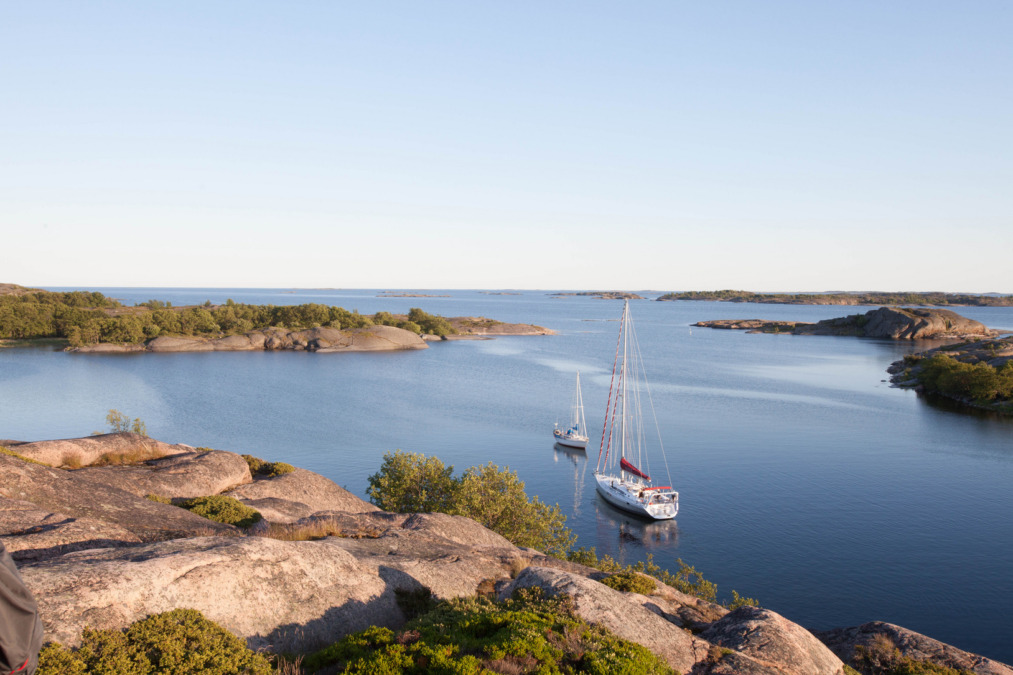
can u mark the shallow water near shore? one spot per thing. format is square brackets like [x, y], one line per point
[805, 480]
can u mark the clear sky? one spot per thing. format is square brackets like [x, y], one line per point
[671, 145]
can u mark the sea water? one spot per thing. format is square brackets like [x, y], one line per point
[806, 481]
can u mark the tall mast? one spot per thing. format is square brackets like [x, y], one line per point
[579, 412]
[622, 378]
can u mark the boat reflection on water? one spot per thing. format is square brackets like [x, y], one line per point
[579, 459]
[573, 454]
[626, 537]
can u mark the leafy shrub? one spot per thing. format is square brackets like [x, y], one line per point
[409, 482]
[979, 382]
[259, 467]
[415, 602]
[528, 633]
[255, 463]
[278, 469]
[118, 422]
[222, 509]
[631, 582]
[494, 497]
[180, 642]
[686, 579]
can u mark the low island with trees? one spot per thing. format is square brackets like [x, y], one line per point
[90, 321]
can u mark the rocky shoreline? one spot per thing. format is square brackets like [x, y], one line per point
[321, 340]
[95, 551]
[896, 323]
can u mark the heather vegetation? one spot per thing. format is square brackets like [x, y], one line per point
[525, 634]
[179, 642]
[259, 467]
[89, 318]
[221, 509]
[870, 298]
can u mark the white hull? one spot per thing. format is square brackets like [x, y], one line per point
[633, 497]
[571, 441]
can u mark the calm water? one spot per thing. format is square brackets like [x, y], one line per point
[805, 480]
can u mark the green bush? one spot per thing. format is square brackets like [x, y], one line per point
[631, 582]
[259, 467]
[528, 633]
[180, 642]
[409, 482]
[222, 509]
[494, 497]
[979, 382]
[158, 498]
[686, 579]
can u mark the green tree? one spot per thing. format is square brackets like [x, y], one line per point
[118, 422]
[494, 497]
[410, 482]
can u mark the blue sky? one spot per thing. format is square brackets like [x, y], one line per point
[649, 145]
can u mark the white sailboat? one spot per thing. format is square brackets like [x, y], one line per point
[622, 471]
[575, 434]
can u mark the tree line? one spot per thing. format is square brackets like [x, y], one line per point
[978, 382]
[89, 318]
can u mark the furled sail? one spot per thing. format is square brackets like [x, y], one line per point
[629, 468]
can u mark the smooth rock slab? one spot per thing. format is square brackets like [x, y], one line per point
[87, 450]
[30, 533]
[280, 595]
[60, 491]
[842, 641]
[189, 474]
[769, 638]
[307, 492]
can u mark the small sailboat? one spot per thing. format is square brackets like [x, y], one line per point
[575, 434]
[621, 474]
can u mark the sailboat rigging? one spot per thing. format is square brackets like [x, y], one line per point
[625, 483]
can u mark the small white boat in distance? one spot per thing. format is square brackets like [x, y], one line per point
[622, 483]
[575, 435]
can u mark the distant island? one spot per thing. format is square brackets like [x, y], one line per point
[405, 294]
[865, 298]
[602, 295]
[974, 370]
[897, 323]
[91, 322]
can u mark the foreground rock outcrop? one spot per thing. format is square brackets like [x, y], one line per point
[895, 323]
[880, 639]
[324, 563]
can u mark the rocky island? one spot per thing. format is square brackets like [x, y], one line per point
[89, 322]
[601, 295]
[896, 323]
[102, 530]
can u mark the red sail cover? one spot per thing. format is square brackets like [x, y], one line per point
[629, 468]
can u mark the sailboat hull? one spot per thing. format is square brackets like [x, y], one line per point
[630, 497]
[571, 440]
